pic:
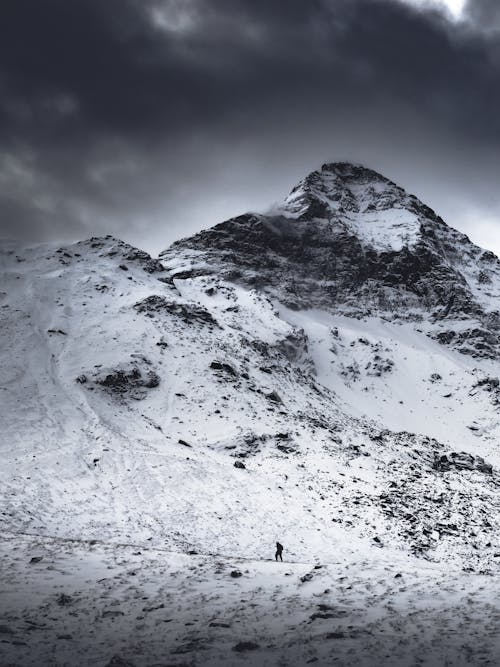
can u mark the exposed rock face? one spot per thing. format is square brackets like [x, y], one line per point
[462, 461]
[188, 313]
[348, 239]
[108, 246]
[128, 381]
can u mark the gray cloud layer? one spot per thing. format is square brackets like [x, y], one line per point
[151, 119]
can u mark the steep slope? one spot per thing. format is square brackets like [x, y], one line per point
[137, 407]
[386, 293]
[325, 375]
[349, 240]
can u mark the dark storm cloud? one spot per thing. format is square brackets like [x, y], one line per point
[484, 14]
[152, 118]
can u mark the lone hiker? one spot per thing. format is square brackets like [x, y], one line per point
[279, 551]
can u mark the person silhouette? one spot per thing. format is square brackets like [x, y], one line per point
[279, 551]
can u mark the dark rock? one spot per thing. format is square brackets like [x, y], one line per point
[483, 466]
[112, 613]
[189, 313]
[36, 559]
[286, 449]
[117, 661]
[245, 646]
[221, 366]
[63, 600]
[155, 608]
[218, 624]
[6, 630]
[151, 380]
[148, 264]
[274, 397]
[132, 381]
[235, 574]
[461, 461]
[183, 442]
[239, 464]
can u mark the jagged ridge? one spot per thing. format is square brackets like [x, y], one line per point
[348, 239]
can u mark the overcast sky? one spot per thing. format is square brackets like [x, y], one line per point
[152, 119]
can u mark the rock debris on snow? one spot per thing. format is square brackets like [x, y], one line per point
[345, 345]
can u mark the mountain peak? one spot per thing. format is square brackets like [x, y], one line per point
[360, 200]
[351, 170]
[349, 239]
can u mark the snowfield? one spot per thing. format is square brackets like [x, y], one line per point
[96, 604]
[164, 423]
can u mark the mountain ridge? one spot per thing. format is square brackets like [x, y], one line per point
[271, 379]
[116, 362]
[331, 248]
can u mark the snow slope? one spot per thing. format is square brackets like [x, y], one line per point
[325, 376]
[120, 606]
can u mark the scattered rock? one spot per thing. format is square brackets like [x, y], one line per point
[218, 624]
[117, 661]
[189, 313]
[63, 600]
[245, 646]
[158, 606]
[222, 366]
[461, 461]
[112, 613]
[128, 381]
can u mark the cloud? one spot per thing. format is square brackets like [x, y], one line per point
[484, 15]
[150, 119]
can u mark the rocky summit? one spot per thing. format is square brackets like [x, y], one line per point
[324, 375]
[350, 241]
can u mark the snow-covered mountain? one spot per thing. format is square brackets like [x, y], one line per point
[326, 374]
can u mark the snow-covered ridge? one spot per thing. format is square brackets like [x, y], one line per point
[374, 208]
[277, 377]
[349, 240]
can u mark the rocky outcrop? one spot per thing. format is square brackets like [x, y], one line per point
[131, 380]
[461, 461]
[349, 240]
[189, 313]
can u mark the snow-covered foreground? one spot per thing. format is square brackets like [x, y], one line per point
[98, 604]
